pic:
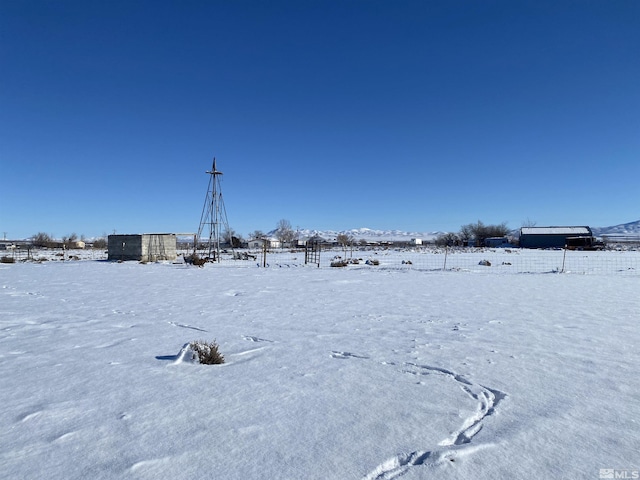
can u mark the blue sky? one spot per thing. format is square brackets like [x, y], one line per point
[409, 115]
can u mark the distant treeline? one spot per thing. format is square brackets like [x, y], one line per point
[44, 240]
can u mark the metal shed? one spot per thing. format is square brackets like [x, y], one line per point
[554, 237]
[145, 247]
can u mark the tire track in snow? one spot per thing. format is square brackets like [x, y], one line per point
[458, 444]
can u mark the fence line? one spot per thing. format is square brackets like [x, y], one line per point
[456, 259]
[481, 260]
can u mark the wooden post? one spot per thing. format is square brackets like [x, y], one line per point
[446, 250]
[264, 252]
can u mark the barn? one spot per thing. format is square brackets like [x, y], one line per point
[555, 237]
[145, 247]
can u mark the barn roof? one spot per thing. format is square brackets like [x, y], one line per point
[555, 231]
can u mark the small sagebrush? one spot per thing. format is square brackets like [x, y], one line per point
[208, 353]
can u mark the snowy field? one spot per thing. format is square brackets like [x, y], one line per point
[331, 373]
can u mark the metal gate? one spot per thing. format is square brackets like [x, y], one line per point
[312, 253]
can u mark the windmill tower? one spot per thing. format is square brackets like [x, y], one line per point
[214, 216]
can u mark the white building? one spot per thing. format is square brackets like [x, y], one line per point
[257, 243]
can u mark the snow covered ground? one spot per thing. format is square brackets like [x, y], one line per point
[330, 373]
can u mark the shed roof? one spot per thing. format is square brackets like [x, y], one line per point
[555, 231]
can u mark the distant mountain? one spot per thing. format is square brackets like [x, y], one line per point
[366, 234]
[372, 235]
[625, 229]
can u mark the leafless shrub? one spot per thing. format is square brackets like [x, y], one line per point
[6, 259]
[208, 353]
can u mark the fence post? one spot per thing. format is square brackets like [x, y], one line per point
[264, 253]
[446, 250]
[564, 256]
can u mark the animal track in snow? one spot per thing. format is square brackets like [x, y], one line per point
[182, 325]
[458, 443]
[399, 465]
[343, 355]
[251, 338]
[20, 293]
[232, 293]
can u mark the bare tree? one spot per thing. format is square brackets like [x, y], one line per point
[257, 235]
[284, 232]
[345, 240]
[41, 239]
[466, 233]
[447, 239]
[480, 232]
[70, 240]
[228, 235]
[100, 242]
[232, 238]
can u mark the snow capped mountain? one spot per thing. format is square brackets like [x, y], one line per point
[632, 228]
[370, 234]
[363, 233]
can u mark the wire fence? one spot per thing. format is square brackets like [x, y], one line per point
[481, 260]
[622, 261]
[26, 253]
